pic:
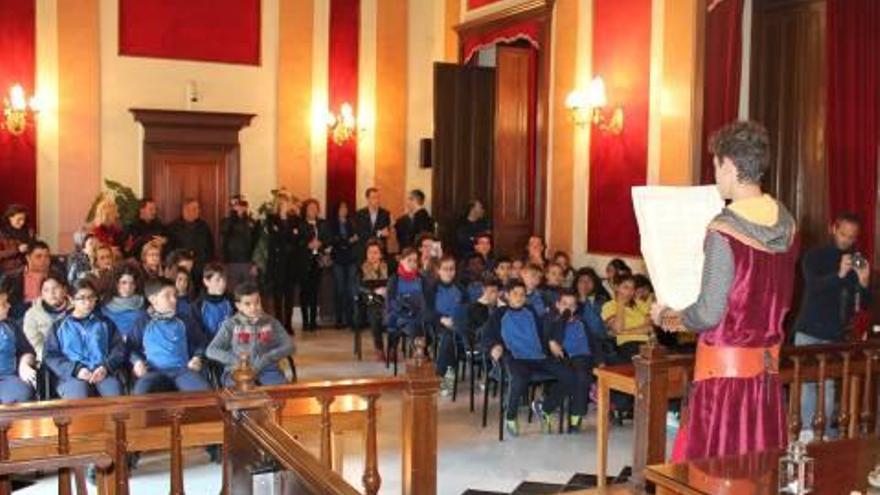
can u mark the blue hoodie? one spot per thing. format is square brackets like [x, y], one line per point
[166, 342]
[521, 333]
[13, 345]
[538, 301]
[575, 341]
[124, 312]
[404, 303]
[213, 311]
[89, 342]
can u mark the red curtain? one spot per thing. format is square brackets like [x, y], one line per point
[18, 155]
[475, 4]
[852, 130]
[529, 30]
[621, 56]
[209, 30]
[342, 88]
[722, 74]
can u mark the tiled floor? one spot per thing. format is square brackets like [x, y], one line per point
[469, 456]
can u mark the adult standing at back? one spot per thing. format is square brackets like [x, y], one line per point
[15, 235]
[372, 222]
[415, 221]
[192, 233]
[145, 229]
[836, 282]
[471, 225]
[238, 234]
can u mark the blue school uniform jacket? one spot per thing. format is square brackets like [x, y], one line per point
[124, 313]
[537, 300]
[166, 342]
[518, 330]
[445, 300]
[89, 342]
[212, 311]
[13, 345]
[405, 303]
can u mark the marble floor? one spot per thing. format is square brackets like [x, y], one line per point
[469, 456]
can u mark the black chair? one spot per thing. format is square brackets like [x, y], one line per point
[500, 377]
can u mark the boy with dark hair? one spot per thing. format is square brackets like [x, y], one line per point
[532, 276]
[553, 280]
[483, 248]
[565, 326]
[480, 310]
[445, 302]
[251, 331]
[472, 271]
[514, 334]
[84, 349]
[177, 259]
[17, 358]
[214, 306]
[166, 348]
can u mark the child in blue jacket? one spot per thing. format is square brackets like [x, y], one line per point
[445, 314]
[405, 298]
[127, 306]
[84, 350]
[214, 306]
[167, 349]
[17, 358]
[514, 335]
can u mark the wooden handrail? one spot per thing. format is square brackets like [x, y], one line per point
[101, 460]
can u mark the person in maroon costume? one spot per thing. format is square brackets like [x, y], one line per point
[751, 248]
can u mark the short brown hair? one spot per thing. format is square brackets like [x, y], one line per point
[747, 145]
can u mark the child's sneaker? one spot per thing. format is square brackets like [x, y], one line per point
[574, 424]
[546, 419]
[448, 382]
[512, 427]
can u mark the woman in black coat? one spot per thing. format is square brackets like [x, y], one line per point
[311, 257]
[342, 240]
[282, 277]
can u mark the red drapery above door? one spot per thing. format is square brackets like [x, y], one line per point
[529, 31]
[723, 68]
[853, 107]
[18, 154]
[342, 88]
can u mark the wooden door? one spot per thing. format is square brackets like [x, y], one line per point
[174, 175]
[513, 176]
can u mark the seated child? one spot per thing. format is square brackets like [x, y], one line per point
[578, 342]
[445, 303]
[214, 306]
[471, 273]
[516, 266]
[480, 311]
[126, 306]
[251, 331]
[166, 348]
[44, 312]
[514, 334]
[553, 280]
[84, 350]
[483, 249]
[372, 286]
[590, 297]
[562, 259]
[18, 375]
[502, 272]
[535, 297]
[184, 305]
[405, 299]
[177, 259]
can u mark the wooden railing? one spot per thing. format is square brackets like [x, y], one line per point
[852, 364]
[251, 420]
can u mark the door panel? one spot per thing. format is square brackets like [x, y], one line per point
[513, 178]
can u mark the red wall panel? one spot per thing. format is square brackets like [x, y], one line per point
[18, 156]
[621, 55]
[475, 4]
[207, 30]
[342, 88]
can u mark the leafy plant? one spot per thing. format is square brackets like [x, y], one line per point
[127, 202]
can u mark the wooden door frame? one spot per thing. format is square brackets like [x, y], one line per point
[533, 10]
[168, 130]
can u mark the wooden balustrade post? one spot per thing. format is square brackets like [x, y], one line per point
[843, 413]
[651, 404]
[420, 424]
[5, 485]
[869, 399]
[120, 468]
[63, 449]
[326, 431]
[176, 416]
[794, 402]
[818, 421]
[372, 480]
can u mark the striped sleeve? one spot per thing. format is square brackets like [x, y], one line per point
[718, 272]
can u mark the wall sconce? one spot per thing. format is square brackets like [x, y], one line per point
[342, 126]
[589, 107]
[16, 108]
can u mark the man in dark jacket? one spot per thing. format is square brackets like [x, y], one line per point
[371, 222]
[147, 228]
[238, 235]
[836, 282]
[416, 221]
[191, 232]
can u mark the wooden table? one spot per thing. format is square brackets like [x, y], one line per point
[841, 466]
[620, 378]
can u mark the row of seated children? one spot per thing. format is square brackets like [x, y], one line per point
[89, 346]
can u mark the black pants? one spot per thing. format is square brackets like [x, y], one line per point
[282, 303]
[375, 314]
[309, 297]
[522, 370]
[582, 367]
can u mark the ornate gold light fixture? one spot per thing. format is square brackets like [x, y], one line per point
[589, 107]
[342, 126]
[16, 109]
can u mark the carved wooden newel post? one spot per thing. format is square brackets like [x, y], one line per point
[420, 424]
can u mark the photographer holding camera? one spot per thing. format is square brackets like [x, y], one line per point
[836, 280]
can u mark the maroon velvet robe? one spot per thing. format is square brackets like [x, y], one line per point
[731, 416]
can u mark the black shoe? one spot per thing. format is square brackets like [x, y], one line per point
[215, 453]
[134, 459]
[92, 475]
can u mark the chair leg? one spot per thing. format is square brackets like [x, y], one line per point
[562, 414]
[501, 407]
[358, 349]
[473, 381]
[486, 400]
[403, 340]
[455, 384]
[387, 341]
[531, 397]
